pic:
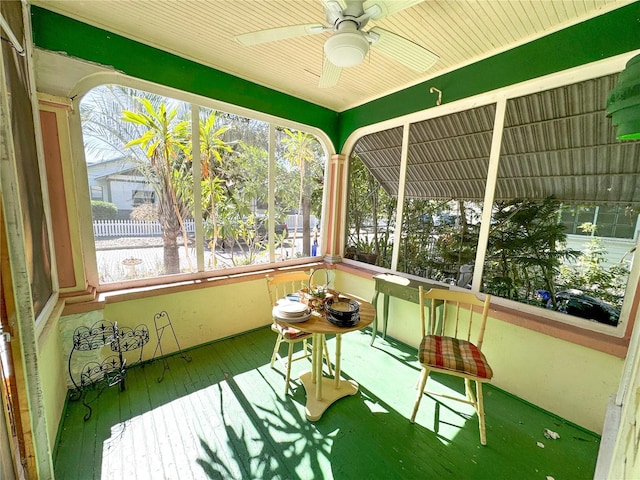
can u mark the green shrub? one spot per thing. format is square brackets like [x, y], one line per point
[103, 210]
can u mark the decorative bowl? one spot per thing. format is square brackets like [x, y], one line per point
[342, 312]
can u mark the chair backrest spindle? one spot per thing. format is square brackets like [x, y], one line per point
[281, 284]
[457, 307]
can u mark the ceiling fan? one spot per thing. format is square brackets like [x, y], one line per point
[349, 44]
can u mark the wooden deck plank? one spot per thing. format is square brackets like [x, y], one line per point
[247, 395]
[88, 448]
[170, 416]
[225, 415]
[66, 460]
[113, 411]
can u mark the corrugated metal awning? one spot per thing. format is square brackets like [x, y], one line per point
[555, 143]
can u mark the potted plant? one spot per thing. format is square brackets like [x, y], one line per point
[366, 251]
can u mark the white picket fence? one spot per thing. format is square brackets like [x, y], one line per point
[130, 228]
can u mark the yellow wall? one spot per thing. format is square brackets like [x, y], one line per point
[569, 380]
[198, 316]
[566, 379]
[201, 315]
[53, 374]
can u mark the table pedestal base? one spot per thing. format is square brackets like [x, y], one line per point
[329, 393]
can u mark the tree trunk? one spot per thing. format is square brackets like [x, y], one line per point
[170, 232]
[170, 250]
[306, 226]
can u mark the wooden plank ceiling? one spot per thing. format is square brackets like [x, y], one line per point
[459, 32]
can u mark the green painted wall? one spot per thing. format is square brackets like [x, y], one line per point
[55, 32]
[569, 380]
[605, 36]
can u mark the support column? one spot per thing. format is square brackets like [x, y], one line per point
[336, 198]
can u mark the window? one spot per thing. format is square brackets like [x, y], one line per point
[559, 235]
[372, 199]
[441, 201]
[142, 197]
[96, 192]
[446, 170]
[616, 221]
[554, 244]
[169, 214]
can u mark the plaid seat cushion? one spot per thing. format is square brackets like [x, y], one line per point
[454, 354]
[288, 333]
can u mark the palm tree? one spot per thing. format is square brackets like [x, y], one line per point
[299, 149]
[164, 143]
[211, 148]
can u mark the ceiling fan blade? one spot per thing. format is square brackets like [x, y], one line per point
[280, 33]
[403, 50]
[389, 7]
[330, 75]
[335, 6]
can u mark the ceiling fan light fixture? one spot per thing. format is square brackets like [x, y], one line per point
[346, 49]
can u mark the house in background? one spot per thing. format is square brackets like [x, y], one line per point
[51, 285]
[118, 181]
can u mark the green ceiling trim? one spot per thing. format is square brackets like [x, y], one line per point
[601, 37]
[55, 32]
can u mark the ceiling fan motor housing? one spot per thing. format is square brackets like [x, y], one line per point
[348, 46]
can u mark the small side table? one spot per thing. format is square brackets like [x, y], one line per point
[395, 286]
[323, 391]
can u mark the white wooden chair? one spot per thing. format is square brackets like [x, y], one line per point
[451, 344]
[279, 285]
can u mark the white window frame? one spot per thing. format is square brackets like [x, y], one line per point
[499, 98]
[197, 101]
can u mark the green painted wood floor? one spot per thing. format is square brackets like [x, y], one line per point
[224, 415]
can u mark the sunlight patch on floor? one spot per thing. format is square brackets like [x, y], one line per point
[375, 407]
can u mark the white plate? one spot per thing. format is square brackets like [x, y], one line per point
[279, 313]
[289, 319]
[292, 308]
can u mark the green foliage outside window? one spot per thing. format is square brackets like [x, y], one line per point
[591, 274]
[527, 246]
[103, 210]
[527, 257]
[233, 192]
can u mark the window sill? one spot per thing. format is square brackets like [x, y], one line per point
[603, 342]
[610, 344]
[119, 293]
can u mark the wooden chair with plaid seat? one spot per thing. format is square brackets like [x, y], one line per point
[279, 286]
[447, 345]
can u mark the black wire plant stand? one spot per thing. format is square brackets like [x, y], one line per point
[111, 370]
[162, 322]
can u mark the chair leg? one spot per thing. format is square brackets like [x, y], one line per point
[289, 357]
[480, 410]
[469, 393]
[424, 375]
[326, 355]
[276, 349]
